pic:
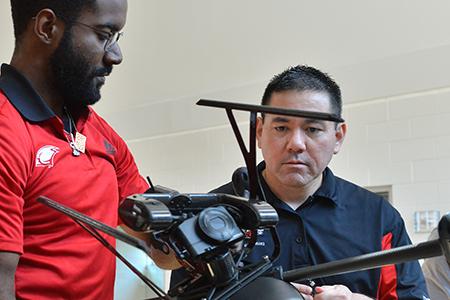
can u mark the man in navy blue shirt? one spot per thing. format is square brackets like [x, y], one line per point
[322, 217]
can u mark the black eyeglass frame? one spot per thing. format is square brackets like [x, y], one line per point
[112, 38]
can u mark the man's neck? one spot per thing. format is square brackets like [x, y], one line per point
[37, 75]
[294, 196]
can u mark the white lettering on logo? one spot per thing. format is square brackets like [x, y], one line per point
[46, 155]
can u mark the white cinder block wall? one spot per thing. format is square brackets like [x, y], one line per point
[402, 141]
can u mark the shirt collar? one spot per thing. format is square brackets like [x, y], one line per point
[328, 188]
[23, 96]
[326, 191]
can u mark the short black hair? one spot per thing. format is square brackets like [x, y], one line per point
[304, 78]
[24, 10]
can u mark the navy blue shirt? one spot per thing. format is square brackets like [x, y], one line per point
[341, 220]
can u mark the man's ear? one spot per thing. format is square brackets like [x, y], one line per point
[259, 129]
[47, 27]
[341, 131]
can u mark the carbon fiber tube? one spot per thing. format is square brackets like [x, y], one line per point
[367, 261]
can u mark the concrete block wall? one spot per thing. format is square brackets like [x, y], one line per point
[402, 141]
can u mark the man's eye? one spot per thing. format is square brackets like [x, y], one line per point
[313, 130]
[103, 36]
[281, 128]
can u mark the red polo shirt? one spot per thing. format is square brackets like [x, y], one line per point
[59, 260]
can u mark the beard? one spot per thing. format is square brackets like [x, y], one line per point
[74, 76]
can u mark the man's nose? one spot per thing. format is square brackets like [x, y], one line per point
[113, 56]
[297, 141]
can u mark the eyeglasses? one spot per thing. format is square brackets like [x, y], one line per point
[110, 38]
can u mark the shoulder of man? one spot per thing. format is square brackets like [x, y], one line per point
[13, 125]
[363, 195]
[7, 110]
[355, 196]
[98, 121]
[106, 130]
[224, 189]
[3, 100]
[240, 177]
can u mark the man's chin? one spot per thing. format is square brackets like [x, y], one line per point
[296, 180]
[93, 101]
[94, 96]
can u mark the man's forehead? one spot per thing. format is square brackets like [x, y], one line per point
[288, 119]
[106, 13]
[307, 100]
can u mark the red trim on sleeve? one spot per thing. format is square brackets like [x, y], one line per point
[387, 286]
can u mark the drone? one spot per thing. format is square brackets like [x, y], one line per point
[212, 233]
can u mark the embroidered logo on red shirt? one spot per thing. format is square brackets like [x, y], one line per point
[109, 148]
[46, 155]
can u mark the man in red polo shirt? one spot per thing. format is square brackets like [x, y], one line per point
[52, 143]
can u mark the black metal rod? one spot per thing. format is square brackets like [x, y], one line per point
[251, 163]
[249, 155]
[271, 110]
[156, 289]
[366, 261]
[126, 238]
[237, 134]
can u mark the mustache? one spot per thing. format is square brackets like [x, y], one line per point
[296, 159]
[104, 71]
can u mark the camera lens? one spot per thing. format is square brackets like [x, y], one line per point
[217, 224]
